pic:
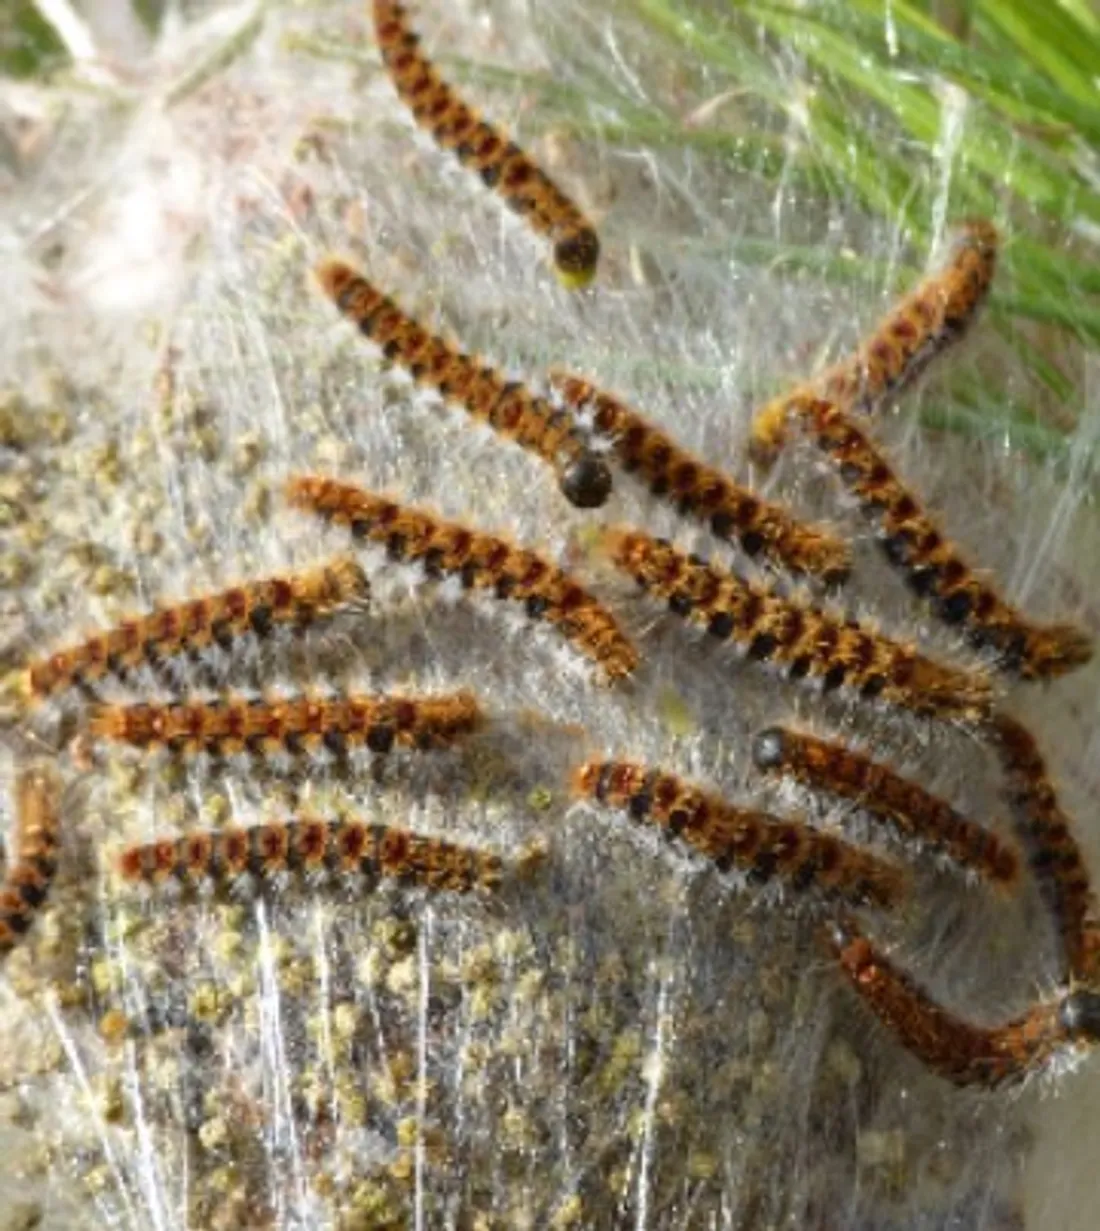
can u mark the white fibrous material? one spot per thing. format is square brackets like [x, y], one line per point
[620, 1034]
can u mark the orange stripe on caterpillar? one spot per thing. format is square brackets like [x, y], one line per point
[933, 566]
[960, 1052]
[1056, 859]
[481, 561]
[810, 642]
[288, 599]
[32, 856]
[509, 408]
[301, 725]
[761, 845]
[732, 512]
[923, 325]
[308, 846]
[500, 163]
[887, 796]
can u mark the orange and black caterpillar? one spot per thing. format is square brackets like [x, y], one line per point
[732, 512]
[501, 164]
[480, 561]
[32, 855]
[933, 567]
[509, 408]
[923, 325]
[1053, 853]
[886, 795]
[210, 860]
[965, 1054]
[292, 600]
[810, 642]
[760, 845]
[297, 726]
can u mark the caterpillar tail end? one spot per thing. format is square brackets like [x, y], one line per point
[768, 432]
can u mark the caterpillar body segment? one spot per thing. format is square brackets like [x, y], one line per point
[732, 512]
[480, 561]
[289, 600]
[809, 642]
[508, 407]
[500, 163]
[32, 855]
[759, 844]
[886, 795]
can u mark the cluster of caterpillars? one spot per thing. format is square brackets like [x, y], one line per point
[580, 431]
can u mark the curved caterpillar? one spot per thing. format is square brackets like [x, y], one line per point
[732, 512]
[32, 855]
[501, 164]
[292, 600]
[918, 329]
[302, 725]
[761, 845]
[1053, 853]
[481, 561]
[810, 642]
[959, 1051]
[305, 846]
[510, 409]
[933, 567]
[887, 796]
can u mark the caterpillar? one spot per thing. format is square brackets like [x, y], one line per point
[480, 561]
[932, 565]
[509, 408]
[1053, 853]
[500, 163]
[918, 329]
[761, 845]
[292, 600]
[960, 1052]
[32, 855]
[732, 512]
[270, 853]
[810, 642]
[301, 725]
[886, 796]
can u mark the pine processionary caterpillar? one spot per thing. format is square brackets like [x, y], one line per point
[1052, 850]
[481, 562]
[964, 1054]
[509, 408]
[933, 567]
[758, 844]
[292, 600]
[810, 642]
[923, 325]
[32, 856]
[302, 725]
[887, 796]
[500, 163]
[698, 490]
[269, 853]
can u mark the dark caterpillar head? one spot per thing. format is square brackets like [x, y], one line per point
[586, 481]
[1079, 1015]
[769, 748]
[575, 258]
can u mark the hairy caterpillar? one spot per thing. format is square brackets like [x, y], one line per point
[810, 642]
[257, 607]
[1052, 850]
[963, 1053]
[934, 569]
[887, 796]
[32, 855]
[302, 725]
[501, 164]
[732, 512]
[223, 859]
[918, 329]
[761, 845]
[506, 406]
[481, 561]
